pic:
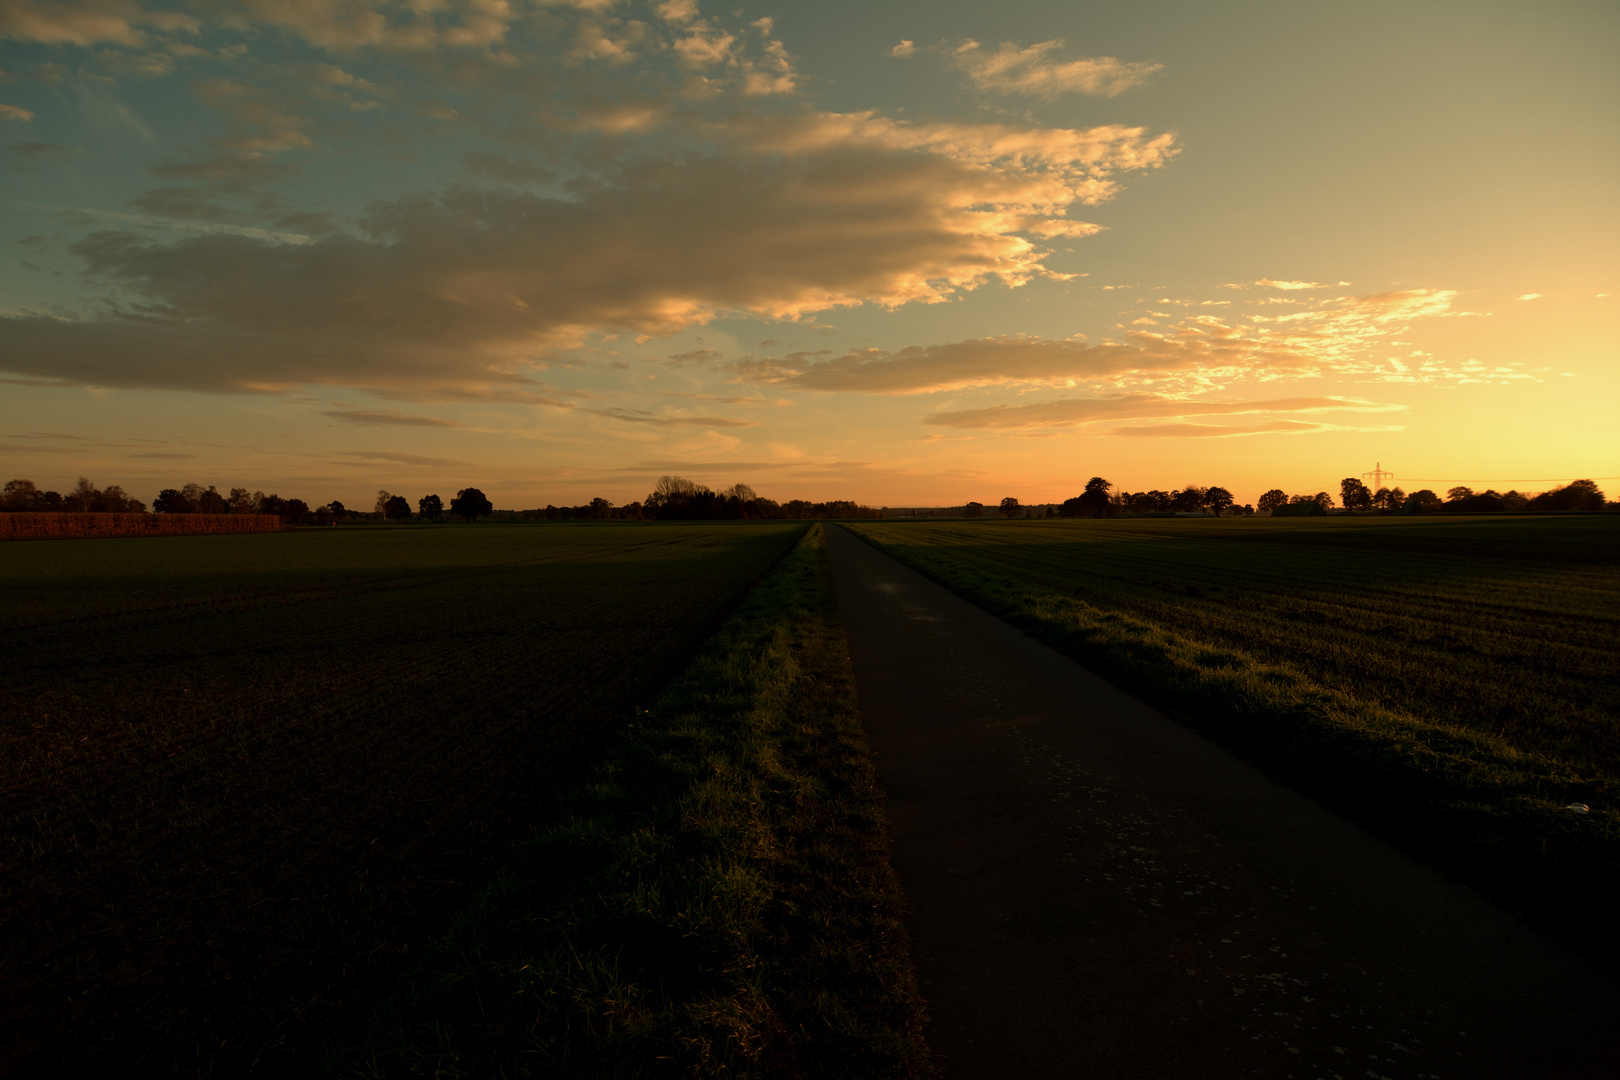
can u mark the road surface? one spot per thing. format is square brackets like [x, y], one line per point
[1099, 892]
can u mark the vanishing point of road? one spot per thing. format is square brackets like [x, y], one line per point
[1098, 892]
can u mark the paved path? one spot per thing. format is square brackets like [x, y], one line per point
[1098, 892]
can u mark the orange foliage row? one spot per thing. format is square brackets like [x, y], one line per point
[47, 526]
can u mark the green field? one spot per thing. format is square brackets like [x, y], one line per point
[246, 776]
[1453, 683]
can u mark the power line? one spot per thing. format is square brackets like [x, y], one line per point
[1499, 480]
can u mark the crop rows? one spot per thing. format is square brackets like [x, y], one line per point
[245, 775]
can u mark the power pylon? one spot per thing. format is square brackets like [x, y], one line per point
[1378, 476]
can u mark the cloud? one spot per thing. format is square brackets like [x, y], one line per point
[180, 224]
[389, 457]
[348, 25]
[1217, 431]
[962, 364]
[787, 215]
[85, 22]
[388, 416]
[15, 112]
[1332, 335]
[905, 48]
[1067, 412]
[642, 416]
[1531, 296]
[1031, 72]
[1291, 286]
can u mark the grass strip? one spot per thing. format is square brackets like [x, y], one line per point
[715, 899]
[1488, 810]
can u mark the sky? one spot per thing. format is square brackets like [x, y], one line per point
[912, 254]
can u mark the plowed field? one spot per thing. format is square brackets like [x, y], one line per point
[245, 775]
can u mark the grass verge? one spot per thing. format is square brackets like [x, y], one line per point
[715, 899]
[1487, 807]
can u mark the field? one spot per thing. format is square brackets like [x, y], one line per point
[246, 776]
[716, 899]
[1454, 684]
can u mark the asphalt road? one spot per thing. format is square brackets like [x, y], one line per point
[1099, 892]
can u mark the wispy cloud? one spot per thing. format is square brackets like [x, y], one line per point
[1068, 412]
[179, 224]
[1294, 286]
[1218, 431]
[1035, 72]
[389, 457]
[1327, 335]
[387, 417]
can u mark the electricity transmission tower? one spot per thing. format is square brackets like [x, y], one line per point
[1378, 476]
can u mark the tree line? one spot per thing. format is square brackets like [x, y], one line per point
[21, 496]
[1354, 495]
[674, 498]
[1099, 499]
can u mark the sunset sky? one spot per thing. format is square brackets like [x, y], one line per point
[905, 253]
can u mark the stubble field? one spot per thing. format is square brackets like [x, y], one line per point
[1453, 684]
[244, 774]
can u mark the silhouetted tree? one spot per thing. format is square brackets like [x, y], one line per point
[1576, 495]
[1354, 494]
[397, 509]
[1146, 502]
[21, 495]
[1217, 499]
[1094, 499]
[206, 500]
[1463, 500]
[973, 509]
[1388, 500]
[430, 507]
[1009, 507]
[380, 508]
[1422, 501]
[172, 501]
[1188, 500]
[1271, 500]
[337, 510]
[82, 499]
[470, 504]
